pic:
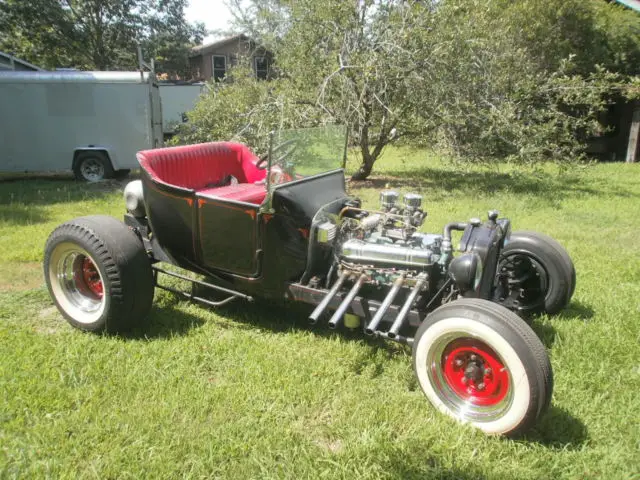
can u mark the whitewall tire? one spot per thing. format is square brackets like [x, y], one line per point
[481, 364]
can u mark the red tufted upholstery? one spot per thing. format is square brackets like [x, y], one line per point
[198, 167]
[242, 192]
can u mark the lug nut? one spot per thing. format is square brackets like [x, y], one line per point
[459, 362]
[465, 380]
[473, 358]
[481, 386]
[487, 371]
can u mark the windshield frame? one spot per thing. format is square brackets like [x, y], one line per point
[307, 146]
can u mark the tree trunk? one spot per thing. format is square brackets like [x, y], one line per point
[369, 157]
[365, 168]
[367, 160]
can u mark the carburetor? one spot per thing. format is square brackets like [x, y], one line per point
[412, 212]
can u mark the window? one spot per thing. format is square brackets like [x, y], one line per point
[219, 67]
[262, 67]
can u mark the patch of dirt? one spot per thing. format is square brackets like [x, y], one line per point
[49, 321]
[333, 446]
[20, 276]
[47, 330]
[48, 312]
[382, 182]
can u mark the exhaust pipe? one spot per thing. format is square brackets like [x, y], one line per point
[337, 315]
[324, 303]
[384, 306]
[402, 315]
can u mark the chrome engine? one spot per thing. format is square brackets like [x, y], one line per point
[420, 251]
[388, 238]
[381, 253]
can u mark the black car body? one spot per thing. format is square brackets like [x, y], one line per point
[279, 228]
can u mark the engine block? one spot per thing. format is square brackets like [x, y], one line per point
[420, 251]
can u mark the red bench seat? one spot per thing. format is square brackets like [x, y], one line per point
[200, 167]
[242, 192]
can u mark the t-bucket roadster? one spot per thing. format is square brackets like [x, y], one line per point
[283, 227]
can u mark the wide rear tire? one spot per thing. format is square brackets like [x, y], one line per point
[535, 274]
[98, 274]
[479, 363]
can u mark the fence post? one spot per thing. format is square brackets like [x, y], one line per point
[632, 148]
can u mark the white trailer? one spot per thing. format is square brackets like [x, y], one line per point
[91, 123]
[176, 101]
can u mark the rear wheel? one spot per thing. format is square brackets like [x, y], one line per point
[98, 274]
[535, 274]
[480, 363]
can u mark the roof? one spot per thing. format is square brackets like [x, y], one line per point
[73, 77]
[198, 50]
[633, 4]
[11, 59]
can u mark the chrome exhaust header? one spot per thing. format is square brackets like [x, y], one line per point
[322, 306]
[384, 306]
[346, 303]
[402, 315]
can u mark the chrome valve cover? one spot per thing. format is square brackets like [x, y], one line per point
[359, 251]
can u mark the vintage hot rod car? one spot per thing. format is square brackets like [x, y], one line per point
[283, 227]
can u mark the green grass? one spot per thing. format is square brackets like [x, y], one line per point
[250, 391]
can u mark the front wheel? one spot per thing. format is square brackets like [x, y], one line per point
[479, 363]
[98, 274]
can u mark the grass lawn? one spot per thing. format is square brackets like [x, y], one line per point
[250, 391]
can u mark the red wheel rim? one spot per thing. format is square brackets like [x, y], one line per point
[474, 372]
[87, 277]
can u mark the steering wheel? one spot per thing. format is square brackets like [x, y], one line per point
[287, 148]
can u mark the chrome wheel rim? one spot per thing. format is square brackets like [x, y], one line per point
[77, 283]
[449, 357]
[92, 169]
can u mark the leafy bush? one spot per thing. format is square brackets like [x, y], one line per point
[245, 110]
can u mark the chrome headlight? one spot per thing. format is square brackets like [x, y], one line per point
[134, 199]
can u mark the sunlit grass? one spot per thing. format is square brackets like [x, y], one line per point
[251, 391]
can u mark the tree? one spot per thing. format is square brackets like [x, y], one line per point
[482, 79]
[357, 63]
[98, 34]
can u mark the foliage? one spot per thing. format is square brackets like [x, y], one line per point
[521, 80]
[98, 34]
[245, 110]
[251, 391]
[484, 80]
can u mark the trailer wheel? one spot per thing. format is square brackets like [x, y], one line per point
[98, 274]
[92, 166]
[480, 363]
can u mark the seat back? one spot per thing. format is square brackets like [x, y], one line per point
[197, 167]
